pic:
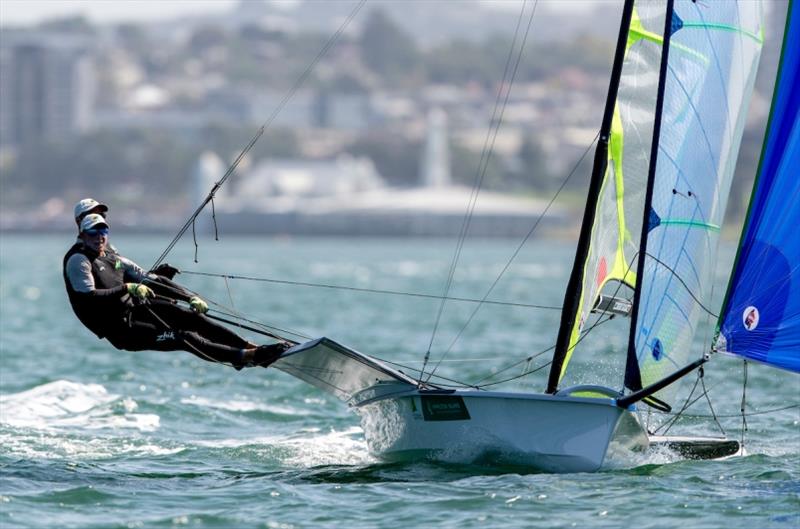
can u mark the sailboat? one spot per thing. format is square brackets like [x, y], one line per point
[681, 81]
[679, 89]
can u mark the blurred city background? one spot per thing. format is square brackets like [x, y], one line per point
[385, 135]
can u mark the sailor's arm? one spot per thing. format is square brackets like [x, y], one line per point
[160, 285]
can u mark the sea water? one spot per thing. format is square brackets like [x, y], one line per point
[93, 437]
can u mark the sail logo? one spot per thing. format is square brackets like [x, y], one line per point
[658, 350]
[750, 318]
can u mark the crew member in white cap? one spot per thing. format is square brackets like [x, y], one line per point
[86, 206]
[89, 206]
[117, 300]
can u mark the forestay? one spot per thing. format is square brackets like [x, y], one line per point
[761, 317]
[712, 62]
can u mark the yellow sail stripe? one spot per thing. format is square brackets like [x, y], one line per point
[619, 268]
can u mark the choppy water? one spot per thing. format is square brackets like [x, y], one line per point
[95, 437]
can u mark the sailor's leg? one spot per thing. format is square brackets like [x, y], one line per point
[211, 351]
[179, 317]
[159, 330]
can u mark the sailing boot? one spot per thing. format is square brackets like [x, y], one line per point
[265, 355]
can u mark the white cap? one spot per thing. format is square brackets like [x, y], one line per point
[88, 204]
[93, 220]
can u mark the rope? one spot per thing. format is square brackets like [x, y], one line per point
[222, 309]
[744, 402]
[516, 252]
[689, 290]
[710, 405]
[295, 87]
[197, 351]
[732, 415]
[688, 403]
[483, 164]
[371, 290]
[597, 323]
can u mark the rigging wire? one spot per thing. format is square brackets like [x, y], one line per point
[744, 401]
[731, 415]
[599, 321]
[478, 385]
[232, 313]
[456, 383]
[500, 103]
[511, 259]
[689, 402]
[286, 98]
[519, 248]
[680, 279]
[370, 290]
[197, 352]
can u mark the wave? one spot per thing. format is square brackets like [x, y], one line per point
[245, 406]
[47, 445]
[305, 448]
[66, 404]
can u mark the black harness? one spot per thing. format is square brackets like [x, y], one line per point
[100, 314]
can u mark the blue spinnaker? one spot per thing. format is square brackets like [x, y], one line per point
[761, 318]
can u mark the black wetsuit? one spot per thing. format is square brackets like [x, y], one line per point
[103, 305]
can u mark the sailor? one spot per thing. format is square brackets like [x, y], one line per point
[88, 206]
[85, 207]
[134, 310]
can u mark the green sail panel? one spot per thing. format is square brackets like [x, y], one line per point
[614, 246]
[713, 58]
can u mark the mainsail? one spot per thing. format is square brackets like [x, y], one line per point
[656, 221]
[760, 319]
[653, 223]
[712, 62]
[610, 232]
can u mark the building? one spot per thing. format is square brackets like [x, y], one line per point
[346, 196]
[47, 87]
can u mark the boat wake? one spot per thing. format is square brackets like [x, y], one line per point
[306, 448]
[245, 406]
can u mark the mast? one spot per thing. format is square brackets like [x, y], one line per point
[633, 378]
[573, 292]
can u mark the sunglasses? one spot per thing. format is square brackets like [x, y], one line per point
[96, 231]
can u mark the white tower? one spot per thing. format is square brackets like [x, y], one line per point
[207, 171]
[435, 163]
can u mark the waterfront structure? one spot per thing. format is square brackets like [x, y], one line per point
[47, 87]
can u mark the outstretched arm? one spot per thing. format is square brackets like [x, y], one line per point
[167, 288]
[160, 285]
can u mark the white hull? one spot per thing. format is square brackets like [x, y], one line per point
[550, 433]
[554, 433]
